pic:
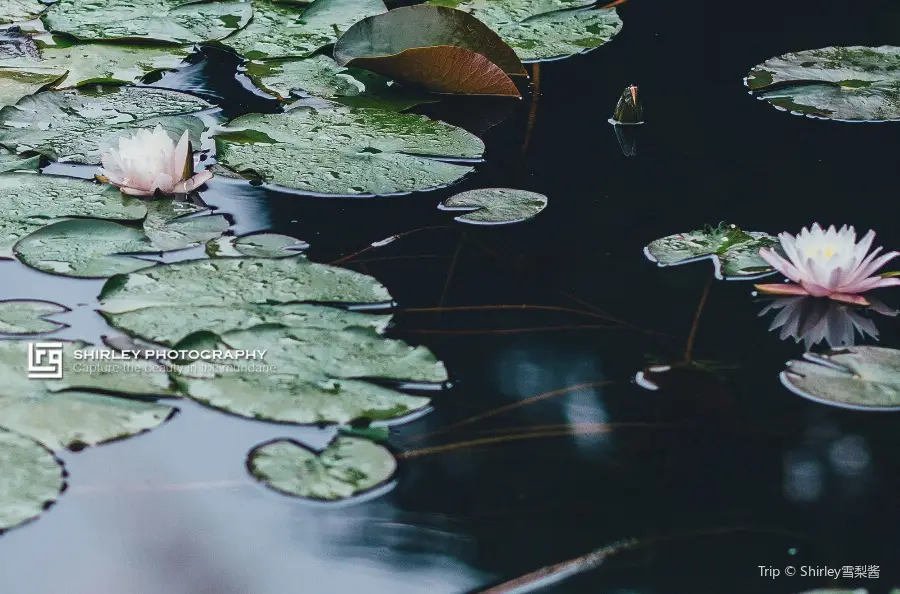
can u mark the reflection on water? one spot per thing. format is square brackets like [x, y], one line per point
[814, 320]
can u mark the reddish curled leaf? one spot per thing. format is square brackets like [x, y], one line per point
[443, 69]
[425, 26]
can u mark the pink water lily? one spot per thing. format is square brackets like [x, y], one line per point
[149, 162]
[828, 264]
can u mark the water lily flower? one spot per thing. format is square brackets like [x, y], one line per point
[828, 264]
[149, 162]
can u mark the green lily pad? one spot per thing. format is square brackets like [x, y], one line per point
[544, 29]
[171, 21]
[496, 206]
[735, 253]
[84, 64]
[315, 375]
[283, 30]
[239, 282]
[855, 377]
[10, 162]
[29, 202]
[320, 76]
[32, 479]
[13, 11]
[154, 323]
[85, 121]
[842, 83]
[77, 410]
[175, 225]
[22, 316]
[84, 248]
[347, 151]
[347, 467]
[15, 85]
[261, 245]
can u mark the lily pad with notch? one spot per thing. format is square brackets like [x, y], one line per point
[544, 29]
[856, 377]
[345, 151]
[86, 406]
[166, 21]
[27, 316]
[734, 252]
[261, 245]
[495, 206]
[33, 478]
[842, 83]
[85, 121]
[289, 30]
[435, 48]
[29, 202]
[349, 466]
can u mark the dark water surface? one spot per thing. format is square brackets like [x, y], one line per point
[750, 473]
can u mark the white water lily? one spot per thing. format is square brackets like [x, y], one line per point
[149, 162]
[828, 264]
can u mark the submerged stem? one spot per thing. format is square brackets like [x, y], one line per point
[692, 336]
[535, 99]
[384, 242]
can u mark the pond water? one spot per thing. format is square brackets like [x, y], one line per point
[748, 473]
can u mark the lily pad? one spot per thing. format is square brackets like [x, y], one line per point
[15, 85]
[175, 225]
[734, 252]
[496, 206]
[32, 479]
[855, 377]
[544, 29]
[85, 121]
[13, 11]
[347, 151]
[29, 202]
[440, 49]
[84, 64]
[77, 410]
[842, 83]
[154, 323]
[347, 467]
[320, 76]
[171, 21]
[239, 282]
[261, 245]
[285, 30]
[22, 316]
[9, 162]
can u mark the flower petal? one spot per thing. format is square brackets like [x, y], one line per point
[781, 289]
[190, 185]
[847, 298]
[780, 264]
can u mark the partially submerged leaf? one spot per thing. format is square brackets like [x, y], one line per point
[735, 253]
[32, 479]
[86, 121]
[544, 29]
[496, 206]
[171, 21]
[73, 411]
[855, 377]
[347, 151]
[287, 30]
[15, 85]
[10, 162]
[23, 316]
[843, 83]
[347, 467]
[175, 225]
[12, 11]
[29, 202]
[261, 245]
[442, 50]
[82, 64]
